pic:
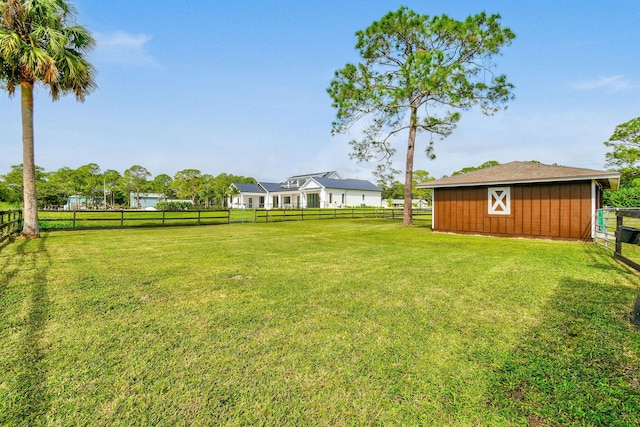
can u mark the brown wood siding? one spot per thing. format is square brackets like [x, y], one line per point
[553, 210]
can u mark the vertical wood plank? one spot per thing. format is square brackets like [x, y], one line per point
[536, 213]
[516, 207]
[526, 210]
[545, 211]
[554, 210]
[585, 211]
[565, 210]
[576, 231]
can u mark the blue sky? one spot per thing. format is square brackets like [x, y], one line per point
[240, 87]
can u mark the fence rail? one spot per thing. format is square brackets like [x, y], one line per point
[627, 249]
[10, 223]
[605, 234]
[94, 219]
[279, 215]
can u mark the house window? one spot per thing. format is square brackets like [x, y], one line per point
[250, 202]
[261, 201]
[499, 200]
[313, 200]
[330, 197]
[287, 200]
[342, 199]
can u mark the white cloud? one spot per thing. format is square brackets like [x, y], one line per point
[604, 82]
[124, 49]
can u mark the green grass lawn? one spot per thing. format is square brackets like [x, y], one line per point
[336, 322]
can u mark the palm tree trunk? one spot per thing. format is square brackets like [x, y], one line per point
[407, 218]
[30, 228]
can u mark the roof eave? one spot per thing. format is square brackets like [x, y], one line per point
[613, 178]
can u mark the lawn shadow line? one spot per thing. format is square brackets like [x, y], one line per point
[570, 369]
[32, 400]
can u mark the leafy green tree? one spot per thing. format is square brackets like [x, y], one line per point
[422, 177]
[187, 183]
[625, 154]
[485, 165]
[391, 189]
[51, 192]
[161, 184]
[40, 42]
[624, 197]
[14, 181]
[5, 194]
[206, 193]
[88, 183]
[135, 178]
[110, 180]
[61, 183]
[222, 185]
[417, 73]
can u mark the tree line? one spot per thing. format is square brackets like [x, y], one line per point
[111, 189]
[624, 157]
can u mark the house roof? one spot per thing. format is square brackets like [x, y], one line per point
[314, 175]
[347, 184]
[525, 172]
[248, 188]
[272, 186]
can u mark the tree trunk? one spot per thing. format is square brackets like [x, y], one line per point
[408, 177]
[30, 228]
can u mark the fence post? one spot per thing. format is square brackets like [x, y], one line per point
[199, 211]
[163, 214]
[618, 241]
[122, 219]
[74, 220]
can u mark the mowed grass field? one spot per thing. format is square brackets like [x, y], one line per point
[335, 322]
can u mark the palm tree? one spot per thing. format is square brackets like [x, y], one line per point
[40, 42]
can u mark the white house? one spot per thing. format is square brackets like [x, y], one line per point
[319, 190]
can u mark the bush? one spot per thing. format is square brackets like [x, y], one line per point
[625, 197]
[173, 206]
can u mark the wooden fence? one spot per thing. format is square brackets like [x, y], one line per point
[10, 223]
[627, 235]
[95, 219]
[279, 215]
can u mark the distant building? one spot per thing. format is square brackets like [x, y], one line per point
[147, 200]
[418, 203]
[317, 190]
[75, 203]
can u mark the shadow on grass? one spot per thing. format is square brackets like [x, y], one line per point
[30, 396]
[580, 365]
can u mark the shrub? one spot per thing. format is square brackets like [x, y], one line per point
[173, 206]
[625, 197]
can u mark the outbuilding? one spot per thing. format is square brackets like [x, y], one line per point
[521, 199]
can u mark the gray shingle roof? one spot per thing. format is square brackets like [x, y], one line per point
[524, 172]
[347, 184]
[249, 188]
[340, 184]
[316, 174]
